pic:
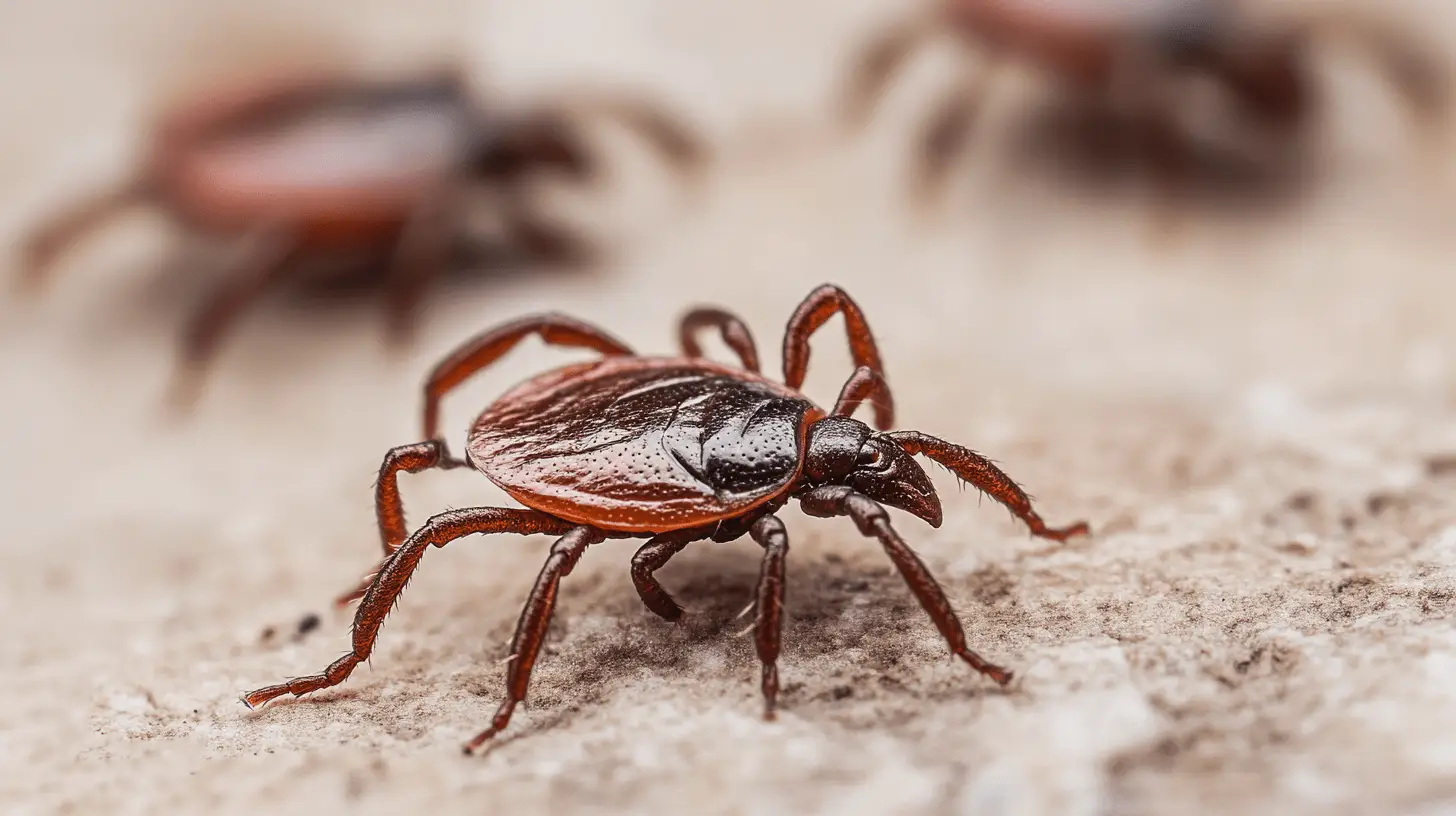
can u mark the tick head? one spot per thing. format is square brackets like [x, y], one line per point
[845, 451]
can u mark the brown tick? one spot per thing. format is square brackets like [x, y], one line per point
[673, 450]
[1142, 52]
[324, 166]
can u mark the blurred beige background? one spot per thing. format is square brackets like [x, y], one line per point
[1252, 421]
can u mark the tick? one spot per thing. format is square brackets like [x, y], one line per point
[328, 175]
[674, 450]
[1141, 54]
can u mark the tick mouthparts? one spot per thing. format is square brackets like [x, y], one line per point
[926, 507]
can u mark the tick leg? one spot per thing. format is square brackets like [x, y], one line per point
[947, 133]
[420, 255]
[395, 572]
[486, 348]
[664, 132]
[1171, 155]
[652, 557]
[541, 240]
[535, 619]
[733, 331]
[873, 521]
[389, 507]
[878, 63]
[863, 384]
[822, 304]
[1413, 70]
[262, 257]
[986, 477]
[769, 532]
[51, 238]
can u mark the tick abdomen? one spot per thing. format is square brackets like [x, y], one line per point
[644, 444]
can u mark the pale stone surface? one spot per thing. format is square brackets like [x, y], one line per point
[1262, 621]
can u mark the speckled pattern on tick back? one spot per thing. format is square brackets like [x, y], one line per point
[644, 444]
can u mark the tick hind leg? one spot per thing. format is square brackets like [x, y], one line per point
[263, 256]
[394, 573]
[535, 620]
[734, 332]
[873, 521]
[484, 349]
[45, 245]
[822, 304]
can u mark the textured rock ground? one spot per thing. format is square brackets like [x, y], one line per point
[1259, 423]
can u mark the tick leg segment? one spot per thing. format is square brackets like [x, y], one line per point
[863, 384]
[733, 331]
[535, 619]
[539, 239]
[263, 255]
[486, 348]
[769, 603]
[51, 238]
[652, 557]
[986, 477]
[879, 62]
[947, 134]
[1414, 70]
[665, 133]
[389, 507]
[873, 521]
[822, 304]
[395, 572]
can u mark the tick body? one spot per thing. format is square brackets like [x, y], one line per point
[330, 174]
[1138, 56]
[673, 450]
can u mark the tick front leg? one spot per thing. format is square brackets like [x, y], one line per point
[768, 624]
[864, 384]
[394, 573]
[822, 304]
[535, 620]
[484, 349]
[873, 521]
[733, 331]
[986, 477]
[389, 506]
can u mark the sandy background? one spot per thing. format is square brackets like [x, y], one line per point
[1254, 423]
